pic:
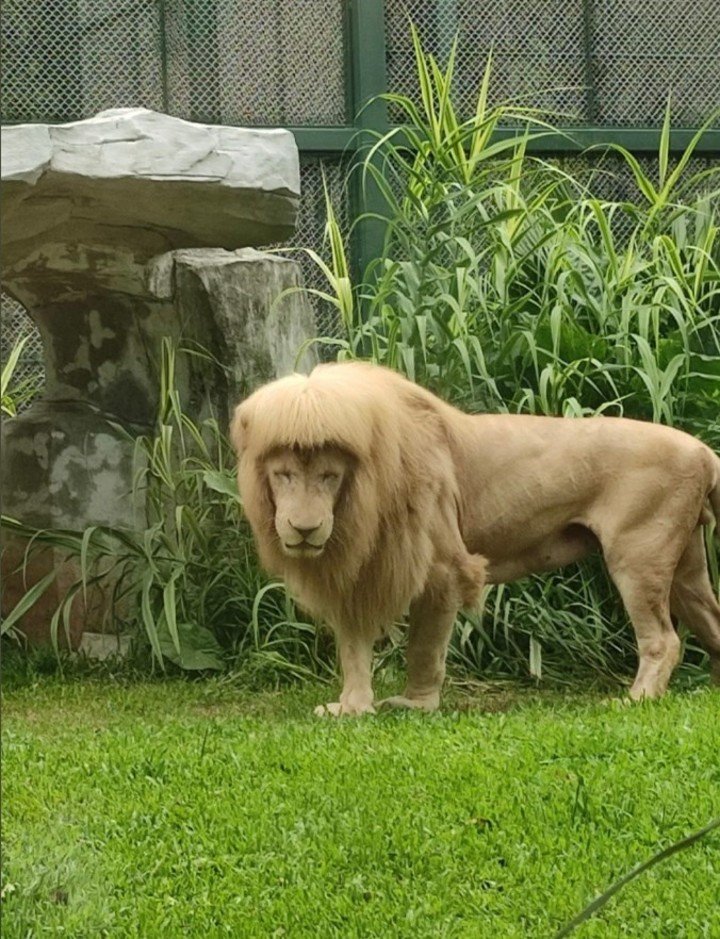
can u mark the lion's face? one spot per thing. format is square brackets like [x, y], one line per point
[305, 486]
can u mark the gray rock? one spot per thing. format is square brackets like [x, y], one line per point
[65, 465]
[99, 647]
[65, 462]
[255, 302]
[146, 181]
[85, 207]
[118, 232]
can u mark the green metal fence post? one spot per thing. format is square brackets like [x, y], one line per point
[368, 79]
[591, 104]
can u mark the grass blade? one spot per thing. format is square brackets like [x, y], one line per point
[26, 602]
[600, 901]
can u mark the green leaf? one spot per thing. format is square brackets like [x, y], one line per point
[199, 649]
[535, 658]
[26, 602]
[11, 364]
[664, 149]
[147, 615]
[170, 611]
[223, 483]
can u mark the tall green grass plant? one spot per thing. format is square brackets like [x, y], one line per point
[16, 391]
[509, 284]
[186, 583]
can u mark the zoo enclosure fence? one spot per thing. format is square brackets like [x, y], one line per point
[599, 69]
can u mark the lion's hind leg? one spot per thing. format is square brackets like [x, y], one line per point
[643, 578]
[693, 600]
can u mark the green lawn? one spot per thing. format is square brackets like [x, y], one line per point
[180, 809]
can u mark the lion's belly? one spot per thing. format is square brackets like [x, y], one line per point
[541, 532]
[533, 556]
[531, 505]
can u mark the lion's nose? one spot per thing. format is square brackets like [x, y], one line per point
[304, 531]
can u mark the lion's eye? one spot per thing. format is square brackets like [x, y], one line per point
[282, 475]
[330, 477]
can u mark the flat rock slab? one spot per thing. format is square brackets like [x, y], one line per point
[103, 646]
[136, 176]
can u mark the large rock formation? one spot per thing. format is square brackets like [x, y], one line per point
[118, 231]
[86, 206]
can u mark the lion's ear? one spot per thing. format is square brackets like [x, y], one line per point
[239, 428]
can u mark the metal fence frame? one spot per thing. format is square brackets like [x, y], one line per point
[366, 78]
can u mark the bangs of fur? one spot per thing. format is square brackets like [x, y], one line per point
[330, 407]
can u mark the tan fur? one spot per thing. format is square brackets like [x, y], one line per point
[430, 490]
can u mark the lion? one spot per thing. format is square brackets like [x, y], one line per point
[372, 498]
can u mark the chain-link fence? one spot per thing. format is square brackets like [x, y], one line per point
[256, 62]
[218, 61]
[644, 49]
[274, 62]
[600, 62]
[66, 60]
[537, 50]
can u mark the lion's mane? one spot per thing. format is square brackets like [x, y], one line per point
[397, 516]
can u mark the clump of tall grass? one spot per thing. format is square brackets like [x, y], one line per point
[506, 283]
[186, 584]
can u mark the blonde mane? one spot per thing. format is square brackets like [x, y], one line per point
[397, 516]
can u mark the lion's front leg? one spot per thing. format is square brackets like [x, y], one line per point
[431, 621]
[355, 653]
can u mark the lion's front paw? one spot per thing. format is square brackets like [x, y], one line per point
[427, 703]
[340, 709]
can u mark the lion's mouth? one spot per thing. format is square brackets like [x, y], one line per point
[303, 549]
